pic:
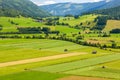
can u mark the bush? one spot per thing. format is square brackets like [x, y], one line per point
[65, 50]
[115, 31]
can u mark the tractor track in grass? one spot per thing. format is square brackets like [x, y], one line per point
[12, 63]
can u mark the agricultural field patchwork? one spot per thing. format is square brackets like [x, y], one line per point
[58, 48]
[86, 67]
[83, 63]
[17, 49]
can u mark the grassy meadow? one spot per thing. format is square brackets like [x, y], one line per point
[10, 24]
[83, 19]
[9, 48]
[96, 62]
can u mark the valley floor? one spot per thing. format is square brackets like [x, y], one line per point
[44, 59]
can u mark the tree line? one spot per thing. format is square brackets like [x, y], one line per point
[78, 40]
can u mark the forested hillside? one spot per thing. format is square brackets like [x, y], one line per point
[113, 13]
[13, 8]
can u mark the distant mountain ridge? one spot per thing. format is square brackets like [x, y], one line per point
[21, 7]
[78, 8]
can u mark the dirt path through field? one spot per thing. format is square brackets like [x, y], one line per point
[81, 78]
[39, 59]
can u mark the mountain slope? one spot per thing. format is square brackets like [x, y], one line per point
[113, 13]
[75, 8]
[20, 7]
[109, 17]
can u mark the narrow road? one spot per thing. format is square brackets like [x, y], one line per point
[39, 59]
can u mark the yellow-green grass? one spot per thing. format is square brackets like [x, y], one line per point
[73, 66]
[81, 19]
[21, 21]
[112, 24]
[66, 29]
[20, 68]
[17, 72]
[17, 49]
[89, 68]
[112, 74]
[111, 70]
[113, 64]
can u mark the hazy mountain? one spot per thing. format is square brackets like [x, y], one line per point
[75, 9]
[20, 7]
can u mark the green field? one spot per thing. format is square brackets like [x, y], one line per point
[66, 29]
[17, 49]
[20, 68]
[79, 64]
[83, 19]
[87, 67]
[29, 75]
[17, 72]
[19, 22]
[113, 64]
[98, 72]
[104, 63]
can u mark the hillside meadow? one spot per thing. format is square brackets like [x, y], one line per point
[98, 59]
[10, 24]
[82, 19]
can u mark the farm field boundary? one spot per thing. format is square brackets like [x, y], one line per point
[79, 64]
[39, 59]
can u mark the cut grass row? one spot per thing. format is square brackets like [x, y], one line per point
[99, 72]
[20, 68]
[113, 64]
[111, 70]
[79, 64]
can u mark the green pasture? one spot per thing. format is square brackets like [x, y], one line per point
[82, 19]
[66, 29]
[20, 68]
[89, 67]
[19, 22]
[79, 64]
[17, 49]
[112, 65]
[30, 75]
[98, 72]
[83, 65]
